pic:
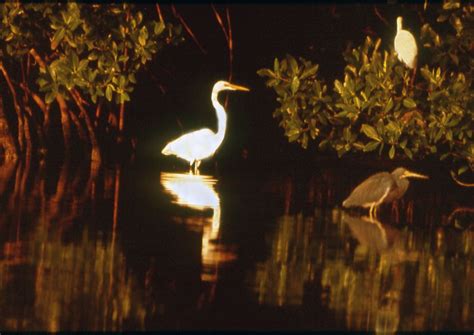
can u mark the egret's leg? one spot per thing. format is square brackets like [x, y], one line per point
[375, 211]
[196, 167]
[191, 167]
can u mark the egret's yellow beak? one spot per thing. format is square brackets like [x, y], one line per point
[410, 174]
[238, 88]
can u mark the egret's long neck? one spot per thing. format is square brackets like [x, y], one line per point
[221, 117]
[399, 25]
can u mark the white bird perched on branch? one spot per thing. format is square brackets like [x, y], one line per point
[405, 45]
[200, 144]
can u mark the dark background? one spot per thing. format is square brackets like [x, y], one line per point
[319, 32]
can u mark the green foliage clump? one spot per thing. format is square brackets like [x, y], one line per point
[375, 107]
[75, 57]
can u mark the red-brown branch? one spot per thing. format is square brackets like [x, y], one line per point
[95, 154]
[158, 10]
[377, 13]
[230, 45]
[188, 29]
[221, 23]
[16, 106]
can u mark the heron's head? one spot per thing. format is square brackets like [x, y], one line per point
[222, 85]
[399, 23]
[401, 173]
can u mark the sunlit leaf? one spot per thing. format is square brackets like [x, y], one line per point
[57, 38]
[409, 103]
[391, 152]
[370, 132]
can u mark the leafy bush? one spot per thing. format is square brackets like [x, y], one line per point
[78, 56]
[374, 107]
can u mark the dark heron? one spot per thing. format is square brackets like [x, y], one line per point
[382, 187]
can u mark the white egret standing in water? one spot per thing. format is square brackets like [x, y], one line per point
[405, 46]
[200, 144]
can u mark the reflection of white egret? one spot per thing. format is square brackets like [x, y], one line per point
[201, 144]
[197, 192]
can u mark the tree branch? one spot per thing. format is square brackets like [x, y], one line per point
[95, 154]
[188, 30]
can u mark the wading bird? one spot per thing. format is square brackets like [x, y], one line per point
[405, 46]
[200, 144]
[382, 187]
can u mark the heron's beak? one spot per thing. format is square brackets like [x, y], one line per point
[410, 174]
[238, 88]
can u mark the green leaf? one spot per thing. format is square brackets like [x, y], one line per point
[293, 64]
[451, 4]
[408, 153]
[108, 92]
[338, 86]
[41, 82]
[295, 84]
[371, 146]
[388, 106]
[370, 132]
[276, 66]
[266, 72]
[50, 96]
[57, 38]
[409, 103]
[391, 153]
[159, 28]
[143, 36]
[309, 72]
[75, 60]
[462, 169]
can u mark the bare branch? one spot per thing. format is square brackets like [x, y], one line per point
[188, 30]
[453, 175]
[158, 10]
[221, 23]
[384, 20]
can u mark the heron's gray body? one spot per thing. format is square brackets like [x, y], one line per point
[382, 187]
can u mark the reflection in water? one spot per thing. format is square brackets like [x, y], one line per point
[65, 264]
[198, 192]
[51, 279]
[371, 275]
[280, 280]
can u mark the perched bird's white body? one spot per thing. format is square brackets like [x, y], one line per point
[201, 144]
[405, 45]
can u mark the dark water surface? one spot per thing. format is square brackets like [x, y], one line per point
[132, 247]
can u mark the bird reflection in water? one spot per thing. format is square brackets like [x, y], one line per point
[373, 236]
[198, 192]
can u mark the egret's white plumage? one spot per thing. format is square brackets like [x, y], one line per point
[405, 45]
[200, 144]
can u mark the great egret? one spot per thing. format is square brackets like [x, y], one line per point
[405, 45]
[200, 144]
[382, 187]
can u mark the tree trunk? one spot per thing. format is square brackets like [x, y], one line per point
[19, 114]
[80, 129]
[66, 124]
[36, 122]
[6, 137]
[95, 153]
[27, 135]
